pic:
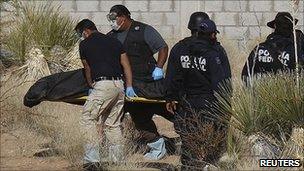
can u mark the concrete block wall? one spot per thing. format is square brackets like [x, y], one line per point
[236, 19]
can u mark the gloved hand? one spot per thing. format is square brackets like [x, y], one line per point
[90, 91]
[157, 74]
[130, 92]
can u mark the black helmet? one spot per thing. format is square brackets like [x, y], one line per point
[196, 20]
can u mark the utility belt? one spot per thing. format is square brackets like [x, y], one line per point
[107, 78]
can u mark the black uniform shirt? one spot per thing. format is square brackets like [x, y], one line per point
[273, 55]
[102, 54]
[198, 74]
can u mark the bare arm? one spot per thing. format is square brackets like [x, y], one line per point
[162, 57]
[87, 70]
[124, 60]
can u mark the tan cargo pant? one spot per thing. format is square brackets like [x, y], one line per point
[104, 105]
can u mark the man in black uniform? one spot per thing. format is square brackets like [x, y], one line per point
[195, 19]
[277, 52]
[195, 72]
[141, 41]
[105, 62]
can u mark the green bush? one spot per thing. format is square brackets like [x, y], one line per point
[41, 25]
[274, 104]
[281, 94]
[273, 107]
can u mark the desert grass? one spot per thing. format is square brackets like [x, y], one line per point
[38, 25]
[57, 123]
[295, 10]
[205, 140]
[268, 116]
[271, 112]
[56, 126]
[72, 60]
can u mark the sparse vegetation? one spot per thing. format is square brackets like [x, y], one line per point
[272, 110]
[38, 25]
[269, 114]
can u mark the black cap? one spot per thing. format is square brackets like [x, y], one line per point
[208, 26]
[120, 10]
[85, 24]
[282, 18]
[196, 19]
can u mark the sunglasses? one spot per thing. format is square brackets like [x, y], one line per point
[112, 16]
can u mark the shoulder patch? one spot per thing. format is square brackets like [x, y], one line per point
[136, 28]
[218, 60]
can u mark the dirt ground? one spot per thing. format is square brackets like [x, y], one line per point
[16, 155]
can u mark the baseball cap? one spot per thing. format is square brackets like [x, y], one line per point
[208, 26]
[84, 24]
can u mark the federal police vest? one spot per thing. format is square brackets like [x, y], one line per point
[139, 53]
[196, 64]
[276, 53]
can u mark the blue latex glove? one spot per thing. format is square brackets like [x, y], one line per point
[157, 74]
[130, 92]
[90, 91]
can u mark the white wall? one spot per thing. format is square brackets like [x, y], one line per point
[236, 19]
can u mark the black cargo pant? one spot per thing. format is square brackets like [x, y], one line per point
[203, 134]
[142, 113]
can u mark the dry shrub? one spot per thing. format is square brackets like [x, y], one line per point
[56, 122]
[2, 67]
[236, 149]
[64, 130]
[72, 60]
[15, 142]
[131, 135]
[35, 66]
[244, 152]
[16, 121]
[57, 125]
[14, 85]
[12, 111]
[131, 152]
[269, 117]
[205, 139]
[294, 147]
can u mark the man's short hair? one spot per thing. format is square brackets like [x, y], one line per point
[85, 24]
[121, 10]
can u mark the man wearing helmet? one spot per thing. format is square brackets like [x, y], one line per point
[197, 66]
[141, 42]
[197, 18]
